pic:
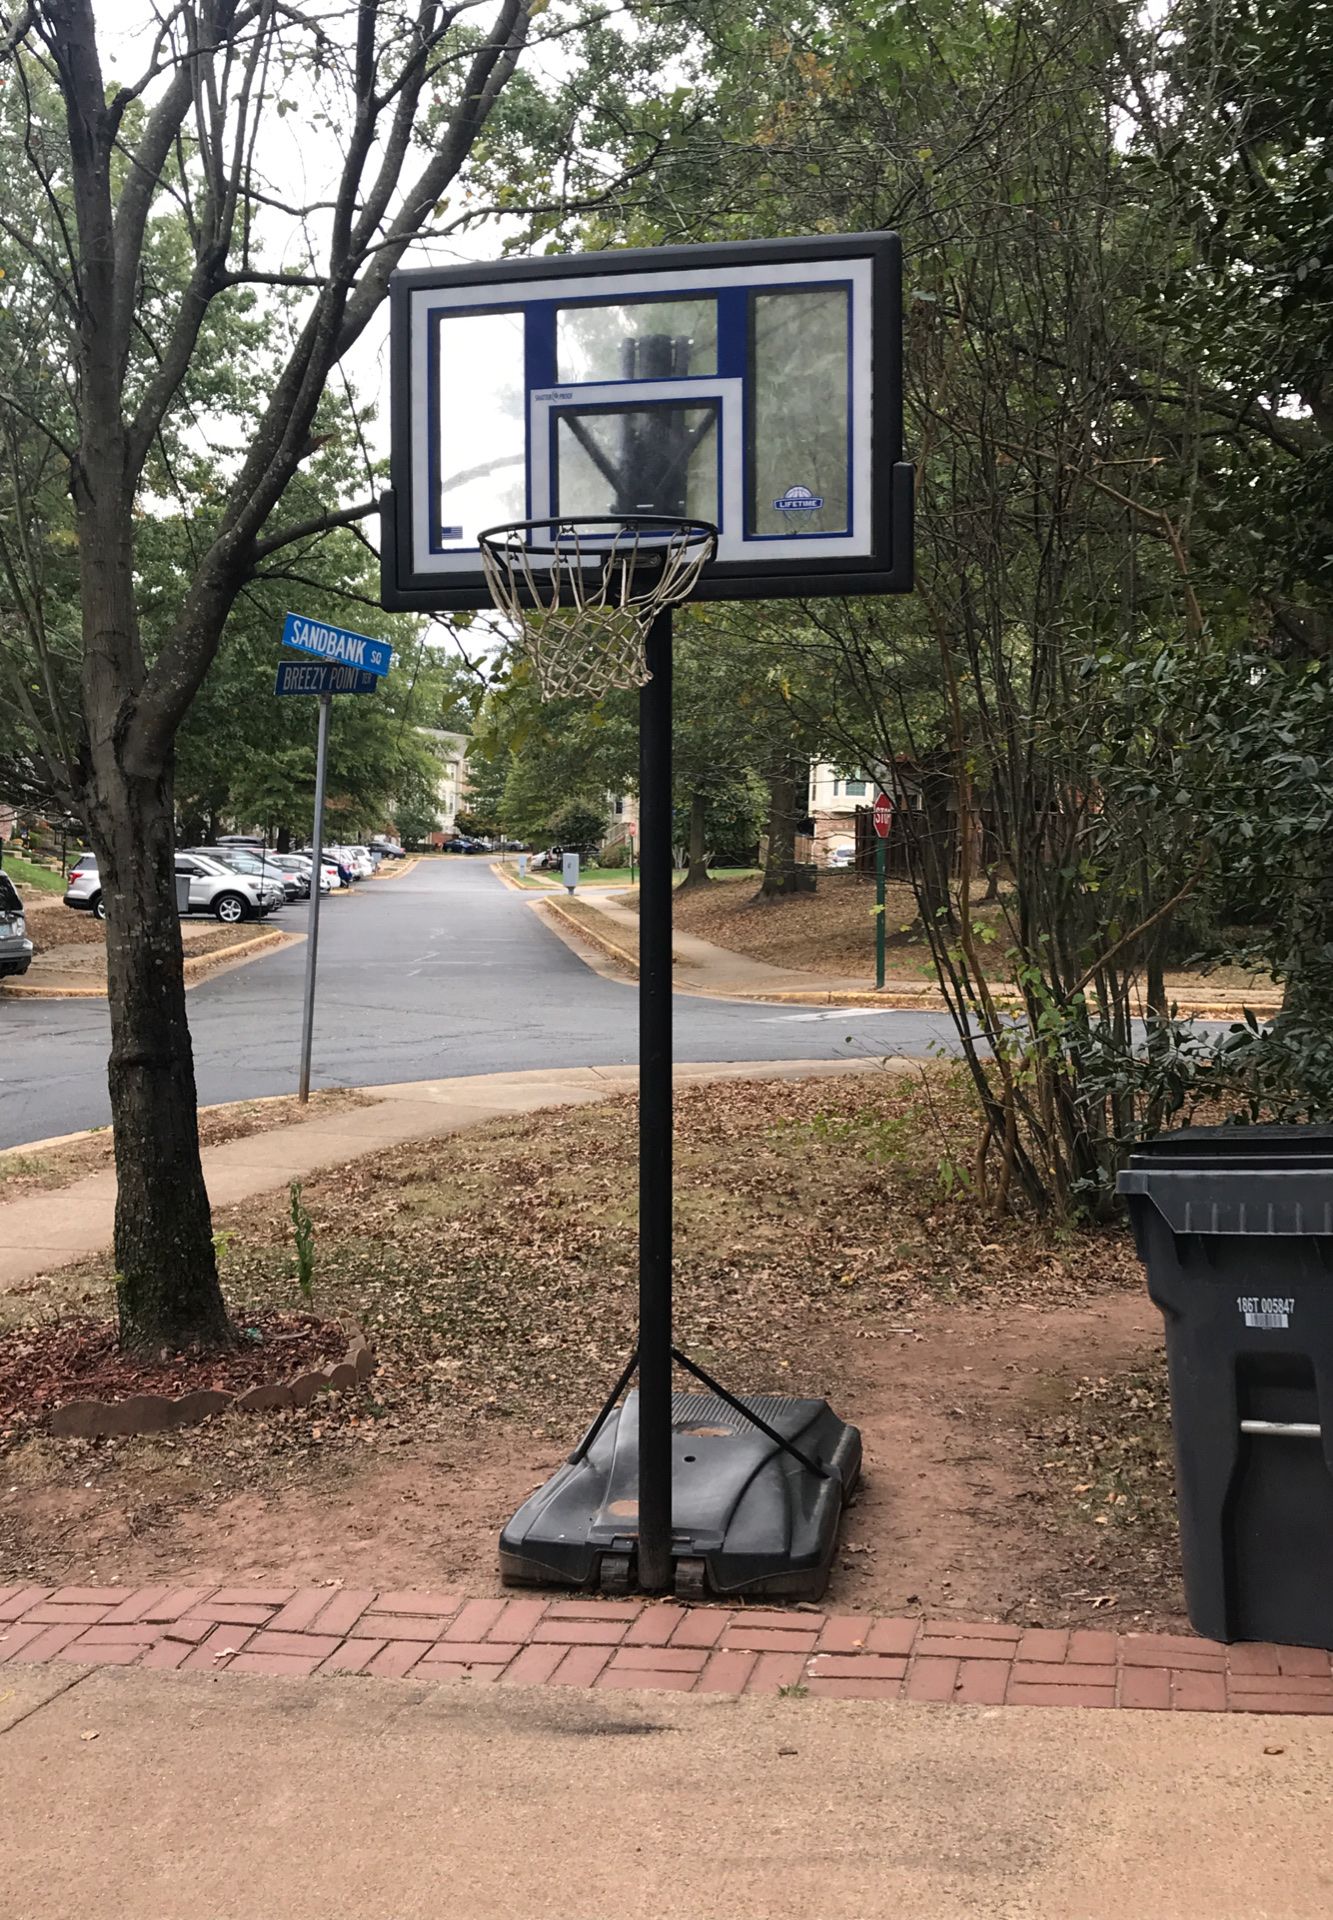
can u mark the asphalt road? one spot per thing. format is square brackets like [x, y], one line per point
[445, 971]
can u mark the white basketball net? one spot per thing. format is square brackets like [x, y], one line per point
[584, 597]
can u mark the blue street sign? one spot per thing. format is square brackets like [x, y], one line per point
[336, 645]
[319, 676]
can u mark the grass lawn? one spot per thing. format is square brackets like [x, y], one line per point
[24, 874]
[1006, 1377]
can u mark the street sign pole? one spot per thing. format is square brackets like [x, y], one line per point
[316, 875]
[881, 817]
[881, 866]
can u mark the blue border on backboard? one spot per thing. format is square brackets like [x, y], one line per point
[886, 568]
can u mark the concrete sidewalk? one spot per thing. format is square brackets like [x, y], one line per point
[178, 1797]
[53, 1229]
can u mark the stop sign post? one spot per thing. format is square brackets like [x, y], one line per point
[881, 815]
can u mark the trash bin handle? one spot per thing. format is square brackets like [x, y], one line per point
[1284, 1429]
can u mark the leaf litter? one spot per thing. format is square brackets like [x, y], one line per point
[495, 1273]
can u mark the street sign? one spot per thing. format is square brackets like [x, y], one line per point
[344, 663]
[336, 644]
[882, 815]
[322, 676]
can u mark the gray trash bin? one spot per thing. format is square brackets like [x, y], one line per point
[1235, 1228]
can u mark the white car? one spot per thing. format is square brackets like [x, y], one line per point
[330, 878]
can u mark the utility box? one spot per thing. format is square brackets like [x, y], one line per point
[182, 893]
[1235, 1228]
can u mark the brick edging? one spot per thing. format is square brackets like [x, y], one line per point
[650, 1645]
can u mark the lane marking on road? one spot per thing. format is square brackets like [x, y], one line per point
[834, 1013]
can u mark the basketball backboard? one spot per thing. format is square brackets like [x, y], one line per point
[756, 385]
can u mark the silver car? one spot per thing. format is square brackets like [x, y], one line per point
[15, 946]
[214, 888]
[218, 888]
[260, 867]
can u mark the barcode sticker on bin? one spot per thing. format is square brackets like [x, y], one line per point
[1267, 1315]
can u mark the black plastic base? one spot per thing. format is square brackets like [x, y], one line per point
[747, 1517]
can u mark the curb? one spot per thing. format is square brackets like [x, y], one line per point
[514, 885]
[593, 935]
[780, 996]
[195, 968]
[652, 1647]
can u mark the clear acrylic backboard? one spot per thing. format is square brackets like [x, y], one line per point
[754, 385]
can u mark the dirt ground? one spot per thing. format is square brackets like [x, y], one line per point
[1006, 1380]
[955, 1515]
[832, 931]
[52, 924]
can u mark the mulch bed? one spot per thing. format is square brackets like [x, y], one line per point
[43, 1367]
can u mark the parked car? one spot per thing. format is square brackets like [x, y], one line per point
[258, 864]
[299, 869]
[215, 888]
[841, 857]
[15, 946]
[83, 891]
[224, 891]
[391, 849]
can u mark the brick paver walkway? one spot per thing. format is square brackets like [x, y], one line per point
[650, 1644]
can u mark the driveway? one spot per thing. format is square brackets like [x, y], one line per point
[443, 972]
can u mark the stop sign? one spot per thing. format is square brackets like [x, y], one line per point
[882, 815]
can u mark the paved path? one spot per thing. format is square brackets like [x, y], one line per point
[245, 1799]
[53, 1228]
[650, 1646]
[442, 972]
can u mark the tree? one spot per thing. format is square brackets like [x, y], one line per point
[176, 158]
[1116, 332]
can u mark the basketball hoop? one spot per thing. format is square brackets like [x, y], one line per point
[584, 592]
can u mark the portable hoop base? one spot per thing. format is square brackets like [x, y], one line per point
[747, 1516]
[719, 1492]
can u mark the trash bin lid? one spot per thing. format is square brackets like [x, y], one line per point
[1237, 1180]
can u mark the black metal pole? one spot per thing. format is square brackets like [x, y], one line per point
[655, 1563]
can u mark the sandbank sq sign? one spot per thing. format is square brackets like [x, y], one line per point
[337, 645]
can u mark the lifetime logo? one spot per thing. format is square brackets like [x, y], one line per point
[798, 500]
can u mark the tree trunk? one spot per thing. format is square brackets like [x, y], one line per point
[167, 1282]
[696, 870]
[780, 864]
